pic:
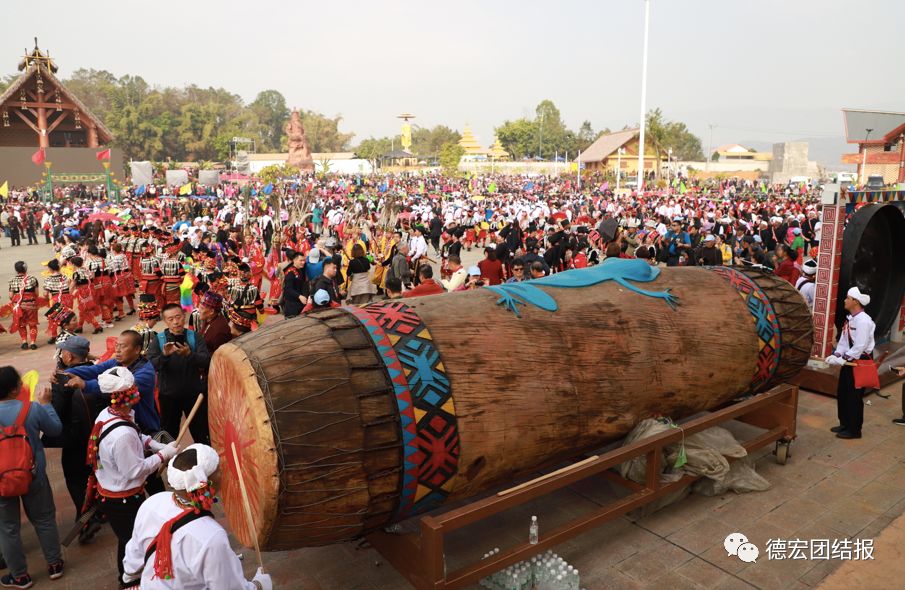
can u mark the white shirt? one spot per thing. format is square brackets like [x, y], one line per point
[456, 280]
[807, 289]
[417, 247]
[860, 329]
[121, 457]
[202, 557]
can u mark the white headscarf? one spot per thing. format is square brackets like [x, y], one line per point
[194, 478]
[115, 379]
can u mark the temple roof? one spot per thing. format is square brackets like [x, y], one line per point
[470, 143]
[497, 150]
[606, 145]
[10, 97]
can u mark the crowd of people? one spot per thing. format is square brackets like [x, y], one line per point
[199, 271]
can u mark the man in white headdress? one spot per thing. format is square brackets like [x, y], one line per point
[117, 455]
[856, 343]
[805, 283]
[176, 543]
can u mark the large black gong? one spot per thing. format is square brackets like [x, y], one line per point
[873, 259]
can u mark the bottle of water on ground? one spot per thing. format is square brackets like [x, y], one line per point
[532, 531]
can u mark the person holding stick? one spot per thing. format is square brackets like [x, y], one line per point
[177, 543]
[116, 454]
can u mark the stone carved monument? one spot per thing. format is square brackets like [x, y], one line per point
[299, 151]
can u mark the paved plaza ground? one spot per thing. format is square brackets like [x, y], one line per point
[829, 489]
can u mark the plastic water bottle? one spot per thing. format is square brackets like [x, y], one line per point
[532, 531]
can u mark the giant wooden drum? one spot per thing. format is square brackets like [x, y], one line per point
[350, 419]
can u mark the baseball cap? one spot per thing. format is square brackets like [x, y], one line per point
[78, 345]
[321, 297]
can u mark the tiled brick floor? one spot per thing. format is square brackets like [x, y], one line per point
[830, 488]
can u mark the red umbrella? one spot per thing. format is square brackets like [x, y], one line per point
[103, 217]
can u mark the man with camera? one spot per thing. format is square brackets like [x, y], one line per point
[676, 242]
[181, 359]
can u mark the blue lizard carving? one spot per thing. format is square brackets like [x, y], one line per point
[618, 270]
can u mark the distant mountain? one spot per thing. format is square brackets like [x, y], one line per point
[826, 151]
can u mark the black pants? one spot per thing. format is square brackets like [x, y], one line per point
[172, 408]
[849, 402]
[76, 474]
[121, 516]
[32, 237]
[903, 400]
[14, 238]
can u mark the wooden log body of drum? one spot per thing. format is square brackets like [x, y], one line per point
[349, 419]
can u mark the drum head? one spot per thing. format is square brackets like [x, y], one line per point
[873, 259]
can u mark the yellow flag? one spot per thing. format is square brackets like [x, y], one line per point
[4, 189]
[30, 380]
[186, 189]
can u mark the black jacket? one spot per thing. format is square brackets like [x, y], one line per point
[180, 375]
[295, 284]
[77, 412]
[327, 285]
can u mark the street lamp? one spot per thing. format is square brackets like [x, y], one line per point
[862, 177]
[540, 136]
[669, 165]
[643, 96]
[619, 154]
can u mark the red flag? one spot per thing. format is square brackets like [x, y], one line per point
[104, 155]
[38, 157]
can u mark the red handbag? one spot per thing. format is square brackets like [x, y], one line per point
[866, 375]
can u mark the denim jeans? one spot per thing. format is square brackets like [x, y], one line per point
[40, 510]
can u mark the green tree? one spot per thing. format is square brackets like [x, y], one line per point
[553, 135]
[324, 134]
[277, 172]
[584, 137]
[373, 149]
[518, 137]
[426, 143]
[272, 113]
[450, 155]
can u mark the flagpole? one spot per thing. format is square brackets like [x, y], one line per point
[643, 95]
[578, 170]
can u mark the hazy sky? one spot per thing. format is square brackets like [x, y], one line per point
[765, 70]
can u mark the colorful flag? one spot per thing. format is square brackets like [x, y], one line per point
[185, 189]
[29, 384]
[682, 188]
[268, 189]
[38, 157]
[103, 155]
[4, 189]
[140, 191]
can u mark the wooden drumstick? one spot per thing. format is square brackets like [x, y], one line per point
[185, 426]
[188, 420]
[247, 504]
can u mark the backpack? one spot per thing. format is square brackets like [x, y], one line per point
[189, 336]
[17, 459]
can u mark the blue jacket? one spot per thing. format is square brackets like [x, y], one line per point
[145, 379]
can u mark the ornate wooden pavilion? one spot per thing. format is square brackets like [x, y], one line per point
[37, 110]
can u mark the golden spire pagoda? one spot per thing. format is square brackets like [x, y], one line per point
[470, 144]
[497, 152]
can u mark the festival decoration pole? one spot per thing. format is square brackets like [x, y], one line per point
[643, 95]
[49, 182]
[108, 182]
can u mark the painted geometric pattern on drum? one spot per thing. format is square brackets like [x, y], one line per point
[766, 323]
[431, 437]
